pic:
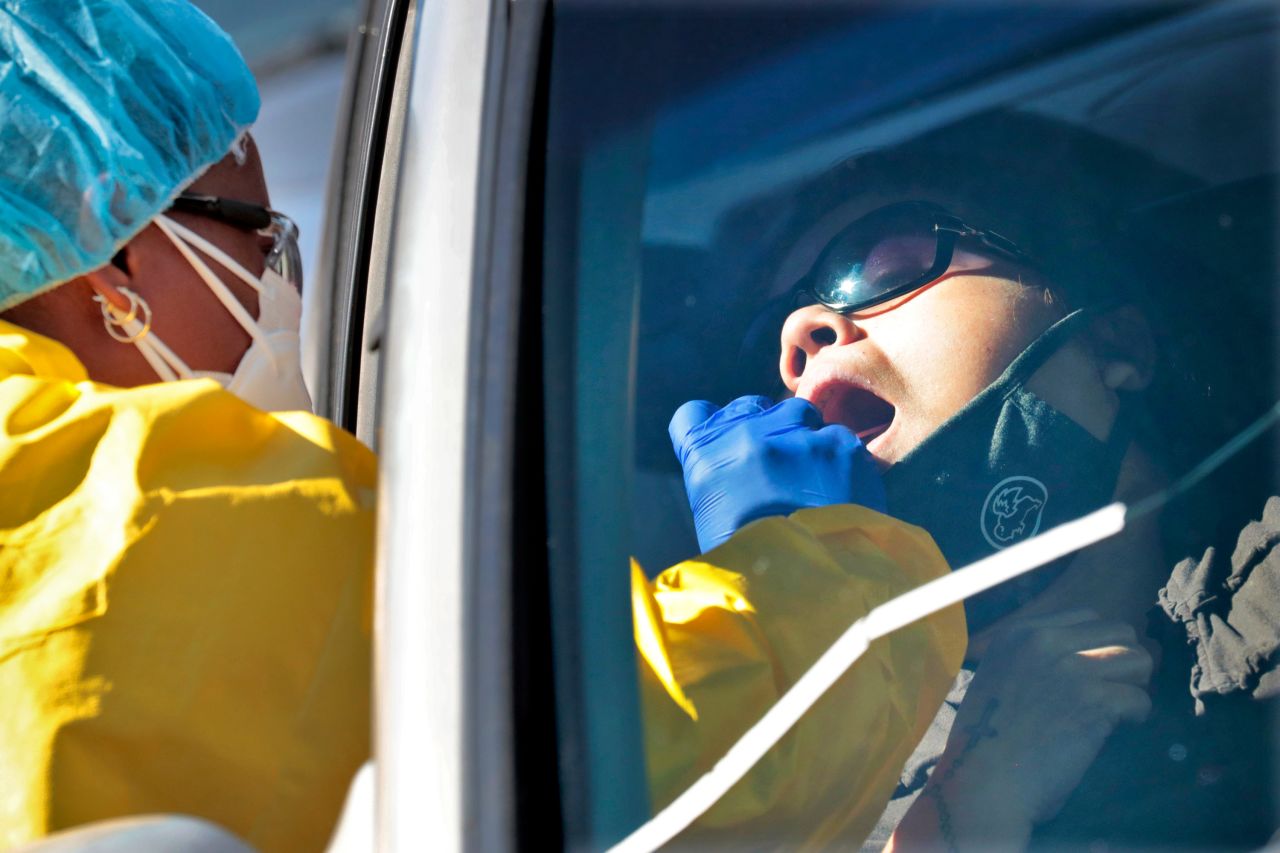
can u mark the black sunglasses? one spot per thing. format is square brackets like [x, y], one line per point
[890, 252]
[240, 214]
[244, 215]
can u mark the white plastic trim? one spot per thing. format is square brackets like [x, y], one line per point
[419, 664]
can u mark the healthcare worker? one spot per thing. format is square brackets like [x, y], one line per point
[185, 550]
[184, 565]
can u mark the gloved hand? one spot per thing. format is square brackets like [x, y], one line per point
[753, 459]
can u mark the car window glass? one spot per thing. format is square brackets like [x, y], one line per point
[1099, 187]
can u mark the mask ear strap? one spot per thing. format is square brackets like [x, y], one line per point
[134, 327]
[1049, 342]
[172, 230]
[231, 264]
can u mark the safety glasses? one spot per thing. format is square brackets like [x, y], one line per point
[284, 258]
[890, 252]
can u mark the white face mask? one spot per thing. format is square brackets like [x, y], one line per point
[269, 376]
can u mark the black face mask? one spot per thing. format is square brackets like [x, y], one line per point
[1005, 467]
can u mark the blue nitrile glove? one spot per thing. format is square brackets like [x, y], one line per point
[753, 459]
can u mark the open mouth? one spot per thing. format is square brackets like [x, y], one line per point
[866, 415]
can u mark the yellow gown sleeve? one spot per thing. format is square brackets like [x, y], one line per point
[722, 636]
[184, 605]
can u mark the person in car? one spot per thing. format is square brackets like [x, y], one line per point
[186, 564]
[929, 344]
[992, 353]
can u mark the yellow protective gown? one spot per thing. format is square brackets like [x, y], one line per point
[184, 600]
[723, 636]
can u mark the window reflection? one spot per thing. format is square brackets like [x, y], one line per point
[1101, 318]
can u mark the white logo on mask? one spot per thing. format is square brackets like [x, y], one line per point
[1013, 511]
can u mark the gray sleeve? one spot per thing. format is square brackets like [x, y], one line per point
[1230, 611]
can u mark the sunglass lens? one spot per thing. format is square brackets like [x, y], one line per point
[875, 257]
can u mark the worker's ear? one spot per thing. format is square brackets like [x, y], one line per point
[1125, 349]
[108, 280]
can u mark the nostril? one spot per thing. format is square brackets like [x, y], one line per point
[797, 362]
[823, 336]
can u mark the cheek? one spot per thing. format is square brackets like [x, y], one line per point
[190, 318]
[935, 361]
[950, 347]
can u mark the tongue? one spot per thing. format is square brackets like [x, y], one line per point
[865, 414]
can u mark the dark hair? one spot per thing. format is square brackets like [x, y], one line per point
[1105, 222]
[1061, 193]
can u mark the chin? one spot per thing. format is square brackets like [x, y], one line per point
[883, 451]
[892, 445]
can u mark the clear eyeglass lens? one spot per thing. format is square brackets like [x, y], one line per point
[285, 258]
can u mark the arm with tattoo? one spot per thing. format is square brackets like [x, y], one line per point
[978, 731]
[1043, 701]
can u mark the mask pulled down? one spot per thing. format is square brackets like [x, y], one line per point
[1005, 467]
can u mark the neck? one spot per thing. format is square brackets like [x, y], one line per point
[1117, 578]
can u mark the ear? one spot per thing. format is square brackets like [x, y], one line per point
[1125, 348]
[107, 280]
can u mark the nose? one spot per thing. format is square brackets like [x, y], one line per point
[807, 332]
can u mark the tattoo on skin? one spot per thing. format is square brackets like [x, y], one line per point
[977, 732]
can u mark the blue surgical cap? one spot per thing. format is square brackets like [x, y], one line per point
[108, 108]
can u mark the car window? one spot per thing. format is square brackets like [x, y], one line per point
[293, 31]
[1076, 305]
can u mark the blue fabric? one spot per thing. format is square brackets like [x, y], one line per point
[108, 108]
[754, 459]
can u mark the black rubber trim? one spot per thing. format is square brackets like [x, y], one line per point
[511, 778]
[348, 238]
